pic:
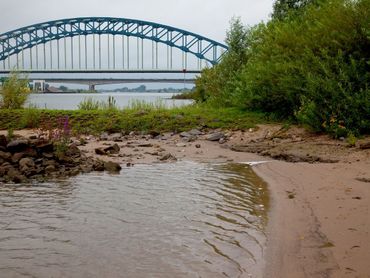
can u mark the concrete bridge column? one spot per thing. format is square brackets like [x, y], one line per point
[91, 87]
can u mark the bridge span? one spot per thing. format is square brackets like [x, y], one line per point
[106, 44]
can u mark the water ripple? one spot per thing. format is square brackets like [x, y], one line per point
[167, 220]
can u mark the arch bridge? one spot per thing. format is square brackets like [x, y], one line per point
[105, 44]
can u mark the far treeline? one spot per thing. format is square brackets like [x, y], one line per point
[310, 63]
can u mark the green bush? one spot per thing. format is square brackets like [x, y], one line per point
[14, 91]
[312, 66]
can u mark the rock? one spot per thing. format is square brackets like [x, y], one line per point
[132, 133]
[73, 151]
[15, 176]
[17, 145]
[215, 136]
[195, 132]
[145, 145]
[154, 133]
[100, 151]
[114, 149]
[104, 136]
[16, 157]
[3, 141]
[26, 162]
[167, 157]
[365, 145]
[5, 155]
[222, 140]
[129, 164]
[116, 137]
[98, 165]
[189, 139]
[47, 147]
[180, 145]
[185, 134]
[111, 166]
[197, 146]
[49, 169]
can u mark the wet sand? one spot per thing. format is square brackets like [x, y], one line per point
[319, 220]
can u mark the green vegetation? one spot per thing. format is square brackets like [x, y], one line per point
[310, 63]
[90, 104]
[14, 92]
[140, 117]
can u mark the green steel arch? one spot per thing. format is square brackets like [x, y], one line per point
[15, 41]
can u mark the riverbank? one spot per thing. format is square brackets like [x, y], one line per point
[319, 221]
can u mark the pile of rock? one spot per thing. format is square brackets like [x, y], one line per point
[23, 160]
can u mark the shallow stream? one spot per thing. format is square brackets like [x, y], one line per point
[164, 220]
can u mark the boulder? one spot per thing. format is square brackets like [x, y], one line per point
[112, 167]
[17, 145]
[45, 147]
[365, 145]
[116, 137]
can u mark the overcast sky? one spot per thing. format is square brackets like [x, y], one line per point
[209, 18]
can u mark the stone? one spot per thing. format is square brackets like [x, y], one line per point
[111, 166]
[145, 145]
[47, 147]
[114, 149]
[16, 157]
[222, 140]
[365, 145]
[180, 145]
[189, 139]
[100, 151]
[104, 136]
[167, 157]
[154, 133]
[5, 155]
[195, 132]
[15, 176]
[17, 145]
[98, 165]
[132, 133]
[116, 137]
[197, 146]
[73, 150]
[49, 169]
[3, 141]
[26, 162]
[185, 134]
[215, 136]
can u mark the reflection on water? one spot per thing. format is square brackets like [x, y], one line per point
[166, 220]
[71, 101]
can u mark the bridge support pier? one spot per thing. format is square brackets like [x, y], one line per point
[91, 87]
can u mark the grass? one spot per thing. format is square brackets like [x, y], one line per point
[138, 117]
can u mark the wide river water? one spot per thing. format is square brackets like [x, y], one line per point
[182, 219]
[71, 101]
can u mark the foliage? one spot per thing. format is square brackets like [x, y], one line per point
[14, 91]
[313, 67]
[283, 8]
[90, 104]
[138, 118]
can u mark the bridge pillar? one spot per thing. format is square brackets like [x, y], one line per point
[91, 87]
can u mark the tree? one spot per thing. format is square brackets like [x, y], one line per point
[14, 92]
[282, 8]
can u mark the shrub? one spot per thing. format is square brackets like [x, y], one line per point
[14, 91]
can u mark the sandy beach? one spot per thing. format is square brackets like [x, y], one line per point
[319, 220]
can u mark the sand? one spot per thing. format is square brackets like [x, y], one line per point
[319, 221]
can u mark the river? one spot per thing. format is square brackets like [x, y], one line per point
[181, 219]
[71, 101]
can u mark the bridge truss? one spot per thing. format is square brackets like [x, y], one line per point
[105, 44]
